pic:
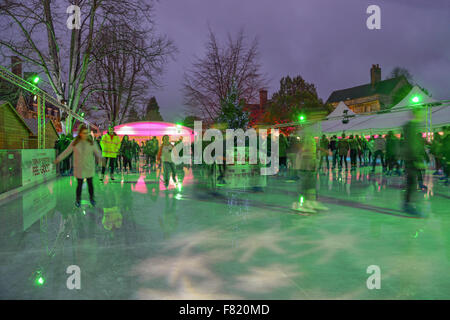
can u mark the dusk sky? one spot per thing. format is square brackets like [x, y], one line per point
[325, 41]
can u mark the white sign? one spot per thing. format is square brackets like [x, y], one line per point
[37, 165]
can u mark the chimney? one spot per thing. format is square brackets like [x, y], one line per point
[375, 74]
[16, 66]
[262, 98]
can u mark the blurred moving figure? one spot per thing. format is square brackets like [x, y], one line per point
[413, 154]
[306, 160]
[324, 145]
[165, 157]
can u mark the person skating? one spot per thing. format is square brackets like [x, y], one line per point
[126, 152]
[110, 149]
[343, 147]
[333, 148]
[392, 145]
[153, 152]
[165, 157]
[324, 145]
[413, 154]
[307, 167]
[84, 152]
[378, 151]
[354, 149]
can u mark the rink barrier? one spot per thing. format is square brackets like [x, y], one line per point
[22, 169]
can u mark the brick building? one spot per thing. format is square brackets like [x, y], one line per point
[374, 96]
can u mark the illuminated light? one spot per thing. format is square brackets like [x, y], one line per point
[301, 118]
[178, 196]
[36, 79]
[415, 99]
[154, 128]
[301, 200]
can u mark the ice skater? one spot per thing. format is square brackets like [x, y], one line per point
[413, 154]
[84, 152]
[110, 149]
[306, 159]
[165, 157]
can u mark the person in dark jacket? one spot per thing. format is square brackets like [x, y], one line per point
[354, 149]
[126, 151]
[333, 148]
[392, 145]
[323, 151]
[343, 148]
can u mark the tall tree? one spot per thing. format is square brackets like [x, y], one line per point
[208, 82]
[39, 35]
[126, 63]
[400, 71]
[295, 97]
[232, 112]
[152, 111]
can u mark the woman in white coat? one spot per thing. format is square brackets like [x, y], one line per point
[84, 151]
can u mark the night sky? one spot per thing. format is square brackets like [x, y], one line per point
[325, 41]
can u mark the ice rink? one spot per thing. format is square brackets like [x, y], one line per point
[145, 242]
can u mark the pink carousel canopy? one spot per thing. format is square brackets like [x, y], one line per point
[150, 129]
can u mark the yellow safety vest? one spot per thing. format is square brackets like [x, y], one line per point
[110, 146]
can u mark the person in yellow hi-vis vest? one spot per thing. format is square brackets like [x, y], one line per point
[110, 144]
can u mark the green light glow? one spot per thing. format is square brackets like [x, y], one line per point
[40, 281]
[301, 118]
[36, 79]
[415, 99]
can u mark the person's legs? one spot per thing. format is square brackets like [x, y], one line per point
[173, 171]
[112, 162]
[90, 188]
[79, 188]
[411, 183]
[334, 158]
[104, 164]
[166, 173]
[353, 158]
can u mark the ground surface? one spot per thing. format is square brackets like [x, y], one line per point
[145, 242]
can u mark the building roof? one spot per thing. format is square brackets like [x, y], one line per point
[9, 105]
[33, 125]
[383, 87]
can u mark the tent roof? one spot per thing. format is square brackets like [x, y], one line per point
[339, 111]
[415, 91]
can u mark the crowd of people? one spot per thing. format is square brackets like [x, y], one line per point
[300, 157]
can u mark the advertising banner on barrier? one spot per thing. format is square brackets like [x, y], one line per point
[37, 165]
